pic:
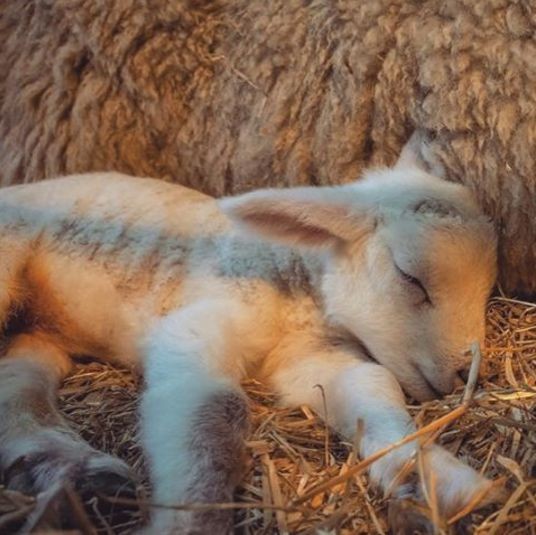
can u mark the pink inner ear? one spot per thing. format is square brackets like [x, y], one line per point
[286, 228]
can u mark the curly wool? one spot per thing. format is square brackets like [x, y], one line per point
[226, 96]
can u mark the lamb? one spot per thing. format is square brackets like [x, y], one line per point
[363, 289]
[227, 96]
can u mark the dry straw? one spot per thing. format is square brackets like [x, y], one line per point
[300, 478]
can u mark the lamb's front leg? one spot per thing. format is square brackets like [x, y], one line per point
[368, 392]
[194, 418]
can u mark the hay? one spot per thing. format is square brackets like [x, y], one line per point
[292, 452]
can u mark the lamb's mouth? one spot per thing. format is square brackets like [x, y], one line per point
[439, 391]
[427, 391]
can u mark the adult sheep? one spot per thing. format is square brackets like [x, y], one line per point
[251, 93]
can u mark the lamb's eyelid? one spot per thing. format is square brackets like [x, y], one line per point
[415, 281]
[409, 277]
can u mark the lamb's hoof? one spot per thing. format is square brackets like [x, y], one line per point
[94, 471]
[97, 479]
[106, 477]
[169, 522]
[407, 518]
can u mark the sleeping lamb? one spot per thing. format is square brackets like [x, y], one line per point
[366, 289]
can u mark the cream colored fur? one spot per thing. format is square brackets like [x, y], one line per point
[359, 288]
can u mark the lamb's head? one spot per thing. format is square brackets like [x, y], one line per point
[410, 261]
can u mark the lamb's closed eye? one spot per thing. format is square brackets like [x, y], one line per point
[416, 283]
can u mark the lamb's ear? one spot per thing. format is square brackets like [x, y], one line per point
[417, 153]
[313, 217]
[411, 155]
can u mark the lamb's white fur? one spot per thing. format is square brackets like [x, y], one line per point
[159, 276]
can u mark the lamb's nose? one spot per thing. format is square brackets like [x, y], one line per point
[472, 357]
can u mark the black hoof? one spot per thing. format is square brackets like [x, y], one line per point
[407, 518]
[102, 485]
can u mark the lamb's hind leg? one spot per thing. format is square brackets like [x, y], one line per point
[37, 447]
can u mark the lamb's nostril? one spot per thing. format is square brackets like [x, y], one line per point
[464, 374]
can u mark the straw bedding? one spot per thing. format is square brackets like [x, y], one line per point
[292, 451]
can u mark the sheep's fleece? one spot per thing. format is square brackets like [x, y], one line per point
[228, 95]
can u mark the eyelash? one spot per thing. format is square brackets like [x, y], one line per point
[415, 282]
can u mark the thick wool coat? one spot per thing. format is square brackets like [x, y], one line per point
[226, 96]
